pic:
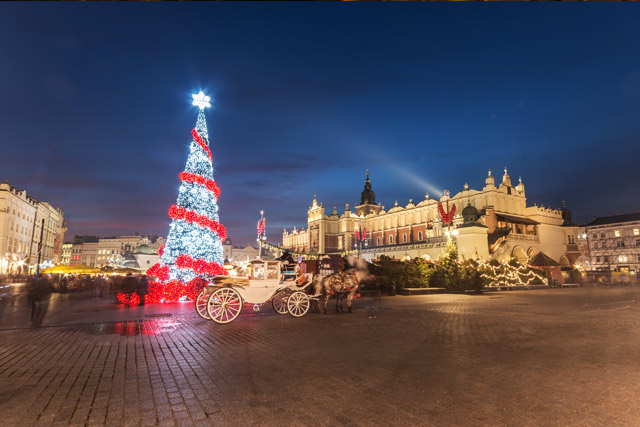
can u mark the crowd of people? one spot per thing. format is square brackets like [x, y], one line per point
[40, 288]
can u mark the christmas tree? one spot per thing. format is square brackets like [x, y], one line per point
[194, 243]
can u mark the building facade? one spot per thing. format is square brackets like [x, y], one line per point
[492, 223]
[612, 243]
[112, 251]
[23, 221]
[237, 255]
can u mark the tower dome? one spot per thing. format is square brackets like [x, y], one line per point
[469, 213]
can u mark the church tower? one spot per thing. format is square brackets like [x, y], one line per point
[367, 199]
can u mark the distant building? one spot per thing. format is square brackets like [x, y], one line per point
[612, 243]
[23, 220]
[146, 256]
[113, 251]
[66, 253]
[239, 254]
[492, 223]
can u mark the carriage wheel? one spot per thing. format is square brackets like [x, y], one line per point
[224, 305]
[279, 302]
[298, 304]
[201, 305]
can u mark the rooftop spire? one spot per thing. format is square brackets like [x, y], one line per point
[367, 197]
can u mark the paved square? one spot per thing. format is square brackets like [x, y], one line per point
[552, 357]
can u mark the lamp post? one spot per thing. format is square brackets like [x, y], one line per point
[262, 233]
[446, 198]
[360, 238]
[40, 248]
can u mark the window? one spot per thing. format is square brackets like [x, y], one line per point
[602, 235]
[636, 232]
[620, 244]
[404, 238]
[378, 241]
[597, 259]
[617, 233]
[622, 258]
[391, 240]
[606, 259]
[637, 242]
[420, 236]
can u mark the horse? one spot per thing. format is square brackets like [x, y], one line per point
[342, 284]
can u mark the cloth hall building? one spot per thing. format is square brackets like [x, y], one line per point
[492, 223]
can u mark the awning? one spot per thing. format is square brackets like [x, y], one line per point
[543, 260]
[516, 219]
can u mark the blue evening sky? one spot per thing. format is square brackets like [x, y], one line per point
[95, 105]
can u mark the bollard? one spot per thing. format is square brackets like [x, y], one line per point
[392, 291]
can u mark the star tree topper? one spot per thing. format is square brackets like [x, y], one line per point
[201, 100]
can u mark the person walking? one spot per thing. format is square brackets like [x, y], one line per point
[39, 293]
[130, 285]
[143, 288]
[100, 284]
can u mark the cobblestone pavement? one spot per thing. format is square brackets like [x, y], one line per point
[537, 358]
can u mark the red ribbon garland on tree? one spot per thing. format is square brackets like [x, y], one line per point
[200, 180]
[199, 265]
[199, 140]
[176, 212]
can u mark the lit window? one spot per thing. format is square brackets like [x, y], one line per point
[636, 232]
[622, 258]
[617, 233]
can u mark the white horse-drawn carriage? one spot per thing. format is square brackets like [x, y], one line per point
[222, 299]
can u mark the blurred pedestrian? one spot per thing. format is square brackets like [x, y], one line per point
[100, 284]
[143, 288]
[39, 293]
[130, 285]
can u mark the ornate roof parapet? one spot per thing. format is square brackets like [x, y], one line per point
[506, 179]
[490, 182]
[520, 186]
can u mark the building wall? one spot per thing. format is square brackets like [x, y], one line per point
[612, 247]
[89, 253]
[66, 253]
[146, 260]
[20, 225]
[416, 229]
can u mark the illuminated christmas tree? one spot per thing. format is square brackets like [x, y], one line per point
[194, 243]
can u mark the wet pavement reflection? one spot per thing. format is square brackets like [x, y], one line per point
[128, 329]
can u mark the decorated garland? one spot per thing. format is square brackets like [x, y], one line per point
[447, 217]
[279, 251]
[200, 180]
[176, 212]
[200, 266]
[200, 142]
